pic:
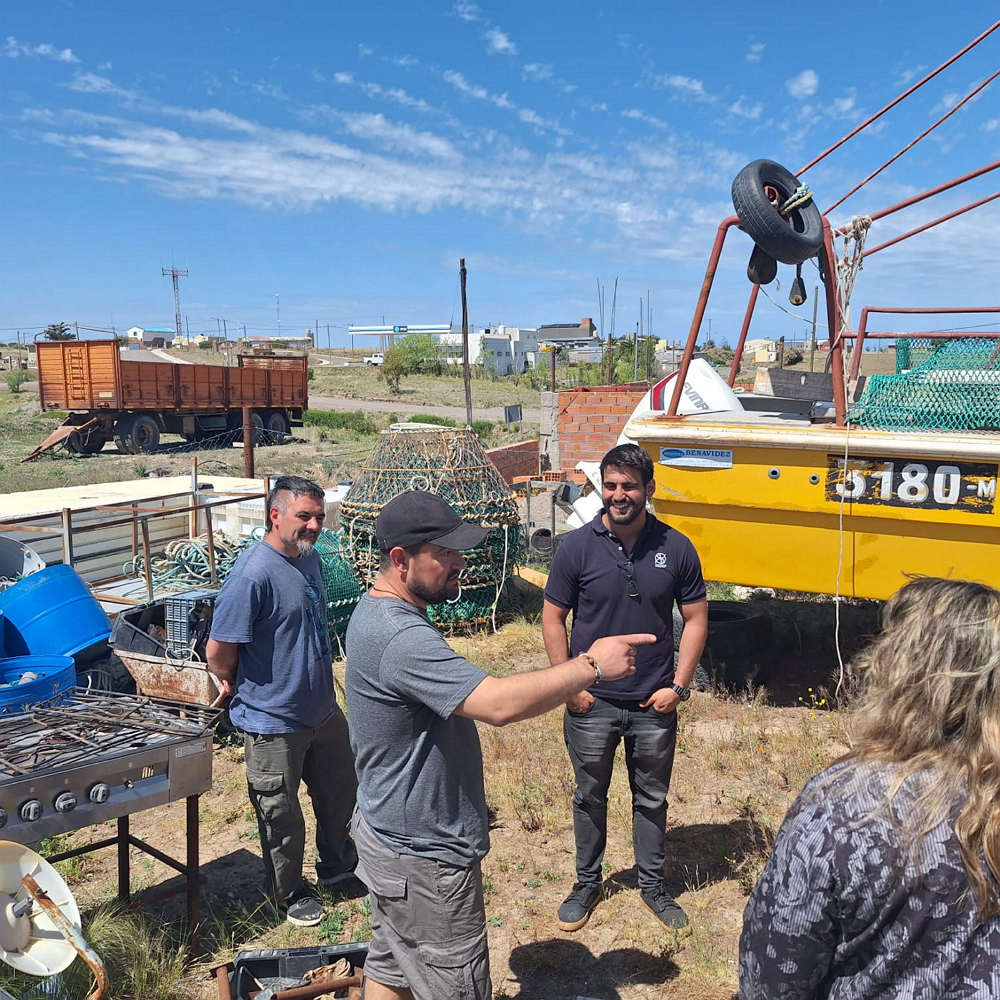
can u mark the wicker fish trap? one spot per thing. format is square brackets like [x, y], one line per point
[453, 464]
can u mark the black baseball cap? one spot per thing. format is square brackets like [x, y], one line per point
[416, 516]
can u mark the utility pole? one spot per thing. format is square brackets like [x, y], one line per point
[175, 273]
[277, 306]
[329, 345]
[812, 341]
[465, 349]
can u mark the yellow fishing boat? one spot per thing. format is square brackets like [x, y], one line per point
[896, 475]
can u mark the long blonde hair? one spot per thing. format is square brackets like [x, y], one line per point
[930, 703]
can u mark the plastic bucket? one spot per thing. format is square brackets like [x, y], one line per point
[53, 613]
[55, 675]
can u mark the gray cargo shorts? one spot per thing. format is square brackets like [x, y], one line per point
[428, 922]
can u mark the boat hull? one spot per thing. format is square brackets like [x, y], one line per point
[776, 505]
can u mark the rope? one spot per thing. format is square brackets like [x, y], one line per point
[800, 196]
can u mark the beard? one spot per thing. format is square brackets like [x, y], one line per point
[433, 595]
[305, 545]
[623, 517]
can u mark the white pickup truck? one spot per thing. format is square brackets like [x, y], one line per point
[375, 359]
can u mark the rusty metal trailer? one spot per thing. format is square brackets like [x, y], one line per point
[134, 402]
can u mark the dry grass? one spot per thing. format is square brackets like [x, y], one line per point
[740, 762]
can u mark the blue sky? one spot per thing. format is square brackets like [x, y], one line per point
[345, 156]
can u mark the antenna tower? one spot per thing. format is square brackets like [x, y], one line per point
[173, 272]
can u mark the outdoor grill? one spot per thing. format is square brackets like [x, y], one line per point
[90, 757]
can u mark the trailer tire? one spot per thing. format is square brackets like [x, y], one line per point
[86, 442]
[790, 241]
[136, 433]
[277, 426]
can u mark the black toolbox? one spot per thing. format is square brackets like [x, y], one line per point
[287, 963]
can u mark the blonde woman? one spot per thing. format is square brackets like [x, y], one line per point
[883, 882]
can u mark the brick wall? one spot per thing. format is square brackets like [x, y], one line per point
[512, 460]
[590, 420]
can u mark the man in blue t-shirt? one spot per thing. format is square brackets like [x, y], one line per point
[270, 649]
[624, 572]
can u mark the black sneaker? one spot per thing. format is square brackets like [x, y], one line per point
[576, 907]
[305, 912]
[666, 909]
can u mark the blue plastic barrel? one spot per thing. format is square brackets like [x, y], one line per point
[3, 648]
[56, 674]
[52, 613]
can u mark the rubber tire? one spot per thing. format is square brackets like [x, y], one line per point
[87, 443]
[790, 242]
[737, 628]
[739, 635]
[123, 434]
[278, 427]
[145, 435]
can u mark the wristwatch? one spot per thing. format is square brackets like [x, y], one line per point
[682, 693]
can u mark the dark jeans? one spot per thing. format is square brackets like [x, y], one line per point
[276, 765]
[592, 738]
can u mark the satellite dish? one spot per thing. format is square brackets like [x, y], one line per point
[30, 941]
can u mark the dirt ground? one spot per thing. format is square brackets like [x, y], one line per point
[741, 759]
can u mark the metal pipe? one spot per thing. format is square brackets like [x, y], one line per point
[947, 186]
[751, 304]
[193, 886]
[903, 96]
[247, 443]
[147, 565]
[833, 321]
[931, 225]
[699, 312]
[67, 536]
[968, 97]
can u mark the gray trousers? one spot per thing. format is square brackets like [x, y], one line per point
[592, 737]
[276, 765]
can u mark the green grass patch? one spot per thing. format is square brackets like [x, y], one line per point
[432, 418]
[340, 420]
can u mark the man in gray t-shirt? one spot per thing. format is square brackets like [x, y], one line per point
[420, 825]
[270, 648]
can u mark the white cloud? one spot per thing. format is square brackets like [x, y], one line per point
[272, 90]
[744, 110]
[212, 116]
[364, 50]
[803, 85]
[13, 49]
[344, 77]
[103, 67]
[317, 76]
[498, 43]
[91, 83]
[992, 125]
[458, 81]
[395, 136]
[466, 11]
[405, 61]
[684, 85]
[756, 49]
[395, 94]
[639, 115]
[537, 71]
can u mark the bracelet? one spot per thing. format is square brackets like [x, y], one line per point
[597, 668]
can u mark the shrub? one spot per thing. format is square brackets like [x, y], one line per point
[310, 374]
[432, 418]
[204, 345]
[482, 427]
[15, 378]
[350, 421]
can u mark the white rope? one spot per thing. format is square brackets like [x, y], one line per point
[503, 576]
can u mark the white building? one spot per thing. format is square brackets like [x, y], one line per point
[150, 336]
[505, 349]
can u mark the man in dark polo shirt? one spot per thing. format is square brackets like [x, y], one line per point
[624, 572]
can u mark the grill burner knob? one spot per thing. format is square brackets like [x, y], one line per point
[65, 802]
[99, 793]
[31, 810]
[3, 818]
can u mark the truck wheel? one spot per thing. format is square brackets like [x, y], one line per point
[790, 241]
[137, 432]
[277, 426]
[86, 442]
